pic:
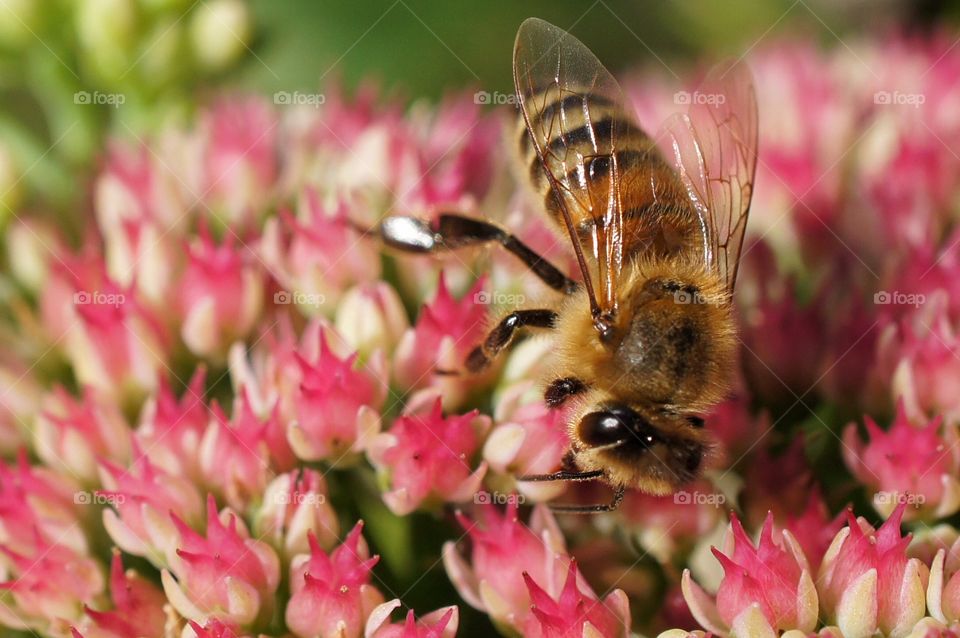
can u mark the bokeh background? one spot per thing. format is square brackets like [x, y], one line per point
[64, 64]
[163, 56]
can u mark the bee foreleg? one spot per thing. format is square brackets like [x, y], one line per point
[618, 493]
[481, 356]
[560, 390]
[562, 475]
[451, 231]
[576, 475]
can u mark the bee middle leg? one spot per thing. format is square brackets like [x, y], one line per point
[501, 336]
[451, 231]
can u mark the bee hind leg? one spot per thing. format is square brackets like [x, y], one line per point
[451, 231]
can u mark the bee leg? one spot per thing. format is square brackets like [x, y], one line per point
[481, 356]
[562, 475]
[451, 231]
[577, 475]
[618, 493]
[560, 390]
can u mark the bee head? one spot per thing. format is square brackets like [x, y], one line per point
[656, 453]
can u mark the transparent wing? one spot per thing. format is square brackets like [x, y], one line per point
[714, 146]
[576, 117]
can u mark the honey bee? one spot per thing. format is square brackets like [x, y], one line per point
[646, 342]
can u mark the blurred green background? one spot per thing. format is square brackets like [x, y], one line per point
[428, 47]
[164, 57]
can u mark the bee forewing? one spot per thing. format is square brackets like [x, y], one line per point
[582, 136]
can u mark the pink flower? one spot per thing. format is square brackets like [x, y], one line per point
[813, 529]
[926, 274]
[371, 316]
[735, 429]
[911, 139]
[112, 341]
[239, 457]
[780, 483]
[921, 354]
[224, 573]
[35, 500]
[295, 506]
[72, 434]
[765, 589]
[331, 595]
[427, 458]
[906, 463]
[781, 338]
[317, 255]
[502, 550]
[138, 608]
[139, 183]
[50, 583]
[32, 246]
[21, 396]
[214, 629]
[240, 160]
[441, 623]
[446, 331]
[575, 611]
[867, 584]
[353, 139]
[142, 497]
[336, 406]
[270, 373]
[445, 158]
[220, 295]
[528, 438]
[850, 340]
[669, 526]
[799, 175]
[943, 589]
[141, 257]
[170, 428]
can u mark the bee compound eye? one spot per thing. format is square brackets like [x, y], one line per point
[615, 424]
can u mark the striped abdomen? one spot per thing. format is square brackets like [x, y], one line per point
[586, 140]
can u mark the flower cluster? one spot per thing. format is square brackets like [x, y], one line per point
[229, 411]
